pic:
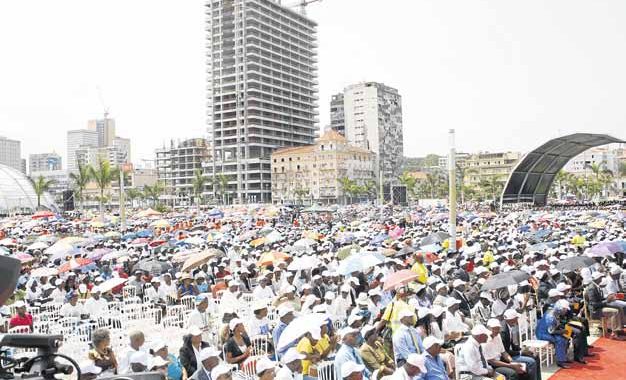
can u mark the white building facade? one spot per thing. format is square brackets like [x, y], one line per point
[11, 153]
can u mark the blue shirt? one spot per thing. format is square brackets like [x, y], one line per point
[435, 369]
[406, 340]
[349, 354]
[546, 326]
[174, 369]
[278, 331]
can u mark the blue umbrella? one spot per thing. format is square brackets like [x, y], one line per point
[379, 238]
[359, 262]
[129, 236]
[604, 249]
[144, 234]
[215, 213]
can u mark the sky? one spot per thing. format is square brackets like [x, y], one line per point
[505, 74]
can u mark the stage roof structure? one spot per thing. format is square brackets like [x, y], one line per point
[532, 177]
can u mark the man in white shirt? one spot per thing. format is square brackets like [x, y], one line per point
[72, 309]
[209, 358]
[95, 306]
[198, 316]
[496, 355]
[262, 291]
[471, 359]
[58, 294]
[343, 303]
[231, 296]
[167, 288]
[137, 339]
[453, 322]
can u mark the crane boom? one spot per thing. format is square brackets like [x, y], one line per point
[301, 5]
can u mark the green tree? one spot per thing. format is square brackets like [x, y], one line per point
[41, 185]
[220, 186]
[491, 186]
[431, 160]
[433, 180]
[349, 187]
[301, 193]
[133, 194]
[198, 184]
[154, 192]
[410, 182]
[80, 180]
[103, 174]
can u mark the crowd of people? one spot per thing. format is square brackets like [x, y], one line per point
[331, 293]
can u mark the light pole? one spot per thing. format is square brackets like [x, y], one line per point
[452, 190]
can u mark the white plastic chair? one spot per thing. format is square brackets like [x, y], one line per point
[326, 370]
[189, 302]
[542, 348]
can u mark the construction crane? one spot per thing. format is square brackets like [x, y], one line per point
[302, 5]
[106, 109]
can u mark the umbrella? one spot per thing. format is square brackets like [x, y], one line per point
[502, 280]
[344, 252]
[44, 272]
[399, 278]
[154, 267]
[572, 263]
[140, 241]
[97, 254]
[435, 238]
[272, 258]
[144, 234]
[37, 246]
[304, 263]
[111, 284]
[113, 235]
[24, 257]
[198, 259]
[359, 262]
[273, 237]
[306, 242]
[195, 240]
[257, 242]
[299, 327]
[604, 249]
[430, 248]
[162, 223]
[42, 214]
[215, 213]
[8, 242]
[74, 264]
[540, 247]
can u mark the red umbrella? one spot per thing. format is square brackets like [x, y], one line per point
[74, 264]
[140, 241]
[42, 215]
[157, 243]
[399, 278]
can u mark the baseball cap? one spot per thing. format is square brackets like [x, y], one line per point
[405, 313]
[234, 322]
[292, 355]
[208, 352]
[350, 367]
[493, 323]
[284, 310]
[430, 340]
[480, 330]
[510, 314]
[554, 293]
[263, 364]
[457, 282]
[452, 301]
[418, 361]
[219, 370]
[347, 330]
[194, 331]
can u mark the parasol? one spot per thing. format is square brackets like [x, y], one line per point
[201, 258]
[399, 278]
[573, 263]
[502, 280]
[74, 264]
[111, 284]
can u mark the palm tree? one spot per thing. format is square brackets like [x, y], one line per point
[198, 183]
[463, 171]
[220, 185]
[102, 175]
[561, 179]
[133, 194]
[154, 192]
[348, 186]
[41, 185]
[80, 179]
[491, 186]
[432, 181]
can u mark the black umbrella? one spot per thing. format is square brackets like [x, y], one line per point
[572, 263]
[502, 280]
[435, 238]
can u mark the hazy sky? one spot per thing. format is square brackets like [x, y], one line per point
[505, 74]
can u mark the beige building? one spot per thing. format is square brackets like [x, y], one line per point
[482, 166]
[313, 172]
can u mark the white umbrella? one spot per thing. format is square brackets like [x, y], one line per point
[111, 283]
[299, 327]
[44, 272]
[195, 240]
[273, 237]
[59, 248]
[304, 243]
[8, 242]
[304, 263]
[358, 263]
[37, 245]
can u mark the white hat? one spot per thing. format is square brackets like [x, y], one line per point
[355, 317]
[156, 362]
[58, 282]
[418, 361]
[315, 333]
[347, 330]
[480, 330]
[439, 286]
[139, 357]
[437, 311]
[486, 295]
[329, 296]
[405, 313]
[616, 270]
[156, 279]
[287, 289]
[457, 282]
[263, 364]
[292, 355]
[194, 330]
[366, 329]
[82, 288]
[510, 314]
[219, 370]
[208, 352]
[19, 304]
[284, 310]
[554, 293]
[563, 287]
[350, 367]
[430, 340]
[234, 322]
[562, 304]
[493, 323]
[157, 345]
[450, 301]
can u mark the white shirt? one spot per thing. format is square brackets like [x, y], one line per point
[255, 324]
[68, 310]
[124, 364]
[196, 318]
[58, 295]
[454, 323]
[95, 308]
[340, 307]
[399, 374]
[167, 290]
[494, 348]
[469, 358]
[263, 293]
